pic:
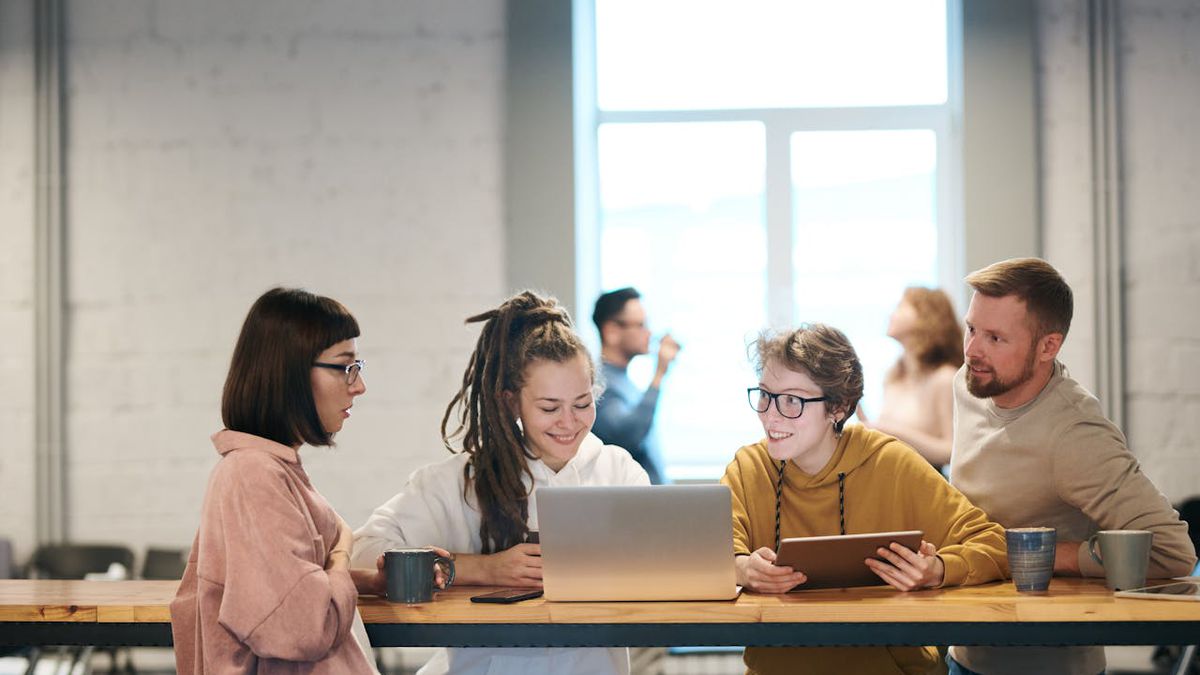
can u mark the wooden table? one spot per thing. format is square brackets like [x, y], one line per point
[1074, 611]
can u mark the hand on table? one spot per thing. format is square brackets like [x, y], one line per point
[519, 566]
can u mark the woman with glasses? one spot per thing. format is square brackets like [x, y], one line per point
[812, 475]
[268, 586]
[524, 416]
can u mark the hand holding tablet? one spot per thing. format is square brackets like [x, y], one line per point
[909, 570]
[900, 559]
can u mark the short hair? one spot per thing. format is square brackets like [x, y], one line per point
[1035, 282]
[268, 391]
[825, 354]
[610, 304]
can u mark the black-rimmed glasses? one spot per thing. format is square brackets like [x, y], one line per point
[788, 405]
[351, 370]
[636, 325]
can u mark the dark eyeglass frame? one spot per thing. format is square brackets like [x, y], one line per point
[351, 369]
[751, 391]
[631, 324]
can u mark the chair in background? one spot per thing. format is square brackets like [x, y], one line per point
[76, 561]
[8, 570]
[164, 563]
[1181, 660]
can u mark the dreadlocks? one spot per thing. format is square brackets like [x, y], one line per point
[525, 328]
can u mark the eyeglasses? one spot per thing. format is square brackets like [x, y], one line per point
[788, 405]
[350, 370]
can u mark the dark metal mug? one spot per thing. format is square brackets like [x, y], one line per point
[410, 576]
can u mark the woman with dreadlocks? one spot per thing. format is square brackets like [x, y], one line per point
[524, 415]
[812, 475]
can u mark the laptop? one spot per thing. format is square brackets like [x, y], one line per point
[651, 542]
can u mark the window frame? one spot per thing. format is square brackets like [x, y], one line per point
[779, 124]
[944, 120]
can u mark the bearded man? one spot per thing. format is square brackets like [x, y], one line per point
[1033, 449]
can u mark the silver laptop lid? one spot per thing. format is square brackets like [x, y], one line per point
[660, 542]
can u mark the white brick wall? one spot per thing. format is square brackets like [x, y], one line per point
[1066, 170]
[17, 520]
[1161, 57]
[220, 148]
[1160, 79]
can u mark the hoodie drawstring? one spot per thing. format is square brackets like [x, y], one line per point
[842, 501]
[779, 502]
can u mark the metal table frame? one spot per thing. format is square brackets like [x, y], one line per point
[665, 634]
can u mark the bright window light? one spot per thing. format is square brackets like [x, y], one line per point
[682, 221]
[684, 54]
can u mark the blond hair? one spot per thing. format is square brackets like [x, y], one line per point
[938, 339]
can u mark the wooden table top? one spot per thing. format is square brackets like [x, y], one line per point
[1073, 600]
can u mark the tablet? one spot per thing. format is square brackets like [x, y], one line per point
[838, 561]
[1179, 590]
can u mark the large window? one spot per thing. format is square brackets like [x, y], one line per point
[763, 164]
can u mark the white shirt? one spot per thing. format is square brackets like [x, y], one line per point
[431, 510]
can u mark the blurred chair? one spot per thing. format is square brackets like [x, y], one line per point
[164, 563]
[76, 561]
[1181, 660]
[8, 570]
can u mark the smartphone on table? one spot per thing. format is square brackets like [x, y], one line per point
[508, 595]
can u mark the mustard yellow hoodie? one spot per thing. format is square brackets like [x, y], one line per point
[887, 487]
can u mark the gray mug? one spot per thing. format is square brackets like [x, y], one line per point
[410, 577]
[1125, 555]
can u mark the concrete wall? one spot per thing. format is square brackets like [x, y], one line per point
[1160, 45]
[17, 516]
[1160, 145]
[216, 149]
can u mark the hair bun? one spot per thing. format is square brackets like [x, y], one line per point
[530, 309]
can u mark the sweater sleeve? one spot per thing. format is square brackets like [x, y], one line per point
[741, 514]
[971, 546]
[1096, 473]
[278, 599]
[413, 517]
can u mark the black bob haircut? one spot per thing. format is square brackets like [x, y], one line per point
[268, 391]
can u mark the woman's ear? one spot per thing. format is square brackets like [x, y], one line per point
[514, 405]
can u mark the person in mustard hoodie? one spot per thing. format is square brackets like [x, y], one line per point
[812, 475]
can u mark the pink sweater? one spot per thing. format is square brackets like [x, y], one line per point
[255, 597]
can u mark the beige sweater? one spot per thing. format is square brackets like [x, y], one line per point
[1058, 462]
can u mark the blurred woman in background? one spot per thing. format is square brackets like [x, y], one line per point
[918, 399]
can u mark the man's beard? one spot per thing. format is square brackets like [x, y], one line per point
[997, 386]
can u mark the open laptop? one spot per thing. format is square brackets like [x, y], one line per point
[653, 542]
